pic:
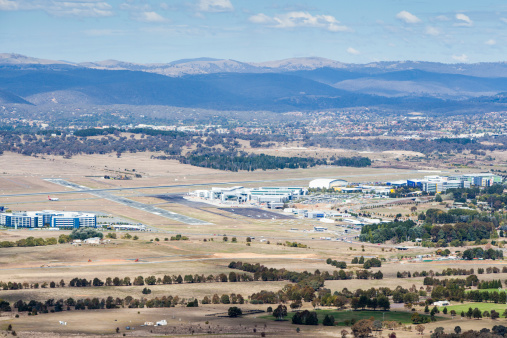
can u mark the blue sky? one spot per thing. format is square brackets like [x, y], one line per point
[358, 31]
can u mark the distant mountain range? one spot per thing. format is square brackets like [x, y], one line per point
[299, 83]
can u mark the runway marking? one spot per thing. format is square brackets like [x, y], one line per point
[130, 203]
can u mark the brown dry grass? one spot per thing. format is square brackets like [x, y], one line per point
[25, 175]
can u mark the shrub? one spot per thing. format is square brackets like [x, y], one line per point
[328, 321]
[234, 312]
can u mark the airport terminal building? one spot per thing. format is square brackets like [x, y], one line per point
[273, 196]
[48, 218]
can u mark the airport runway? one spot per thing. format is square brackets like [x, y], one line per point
[87, 190]
[130, 203]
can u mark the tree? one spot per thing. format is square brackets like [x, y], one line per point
[363, 301]
[234, 312]
[354, 303]
[139, 280]
[151, 280]
[383, 302]
[439, 331]
[419, 328]
[444, 311]
[438, 198]
[377, 325]
[457, 329]
[362, 328]
[225, 299]
[477, 313]
[296, 304]
[426, 309]
[328, 320]
[494, 314]
[311, 318]
[280, 312]
[344, 333]
[415, 318]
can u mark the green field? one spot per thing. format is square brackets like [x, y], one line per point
[341, 316]
[481, 306]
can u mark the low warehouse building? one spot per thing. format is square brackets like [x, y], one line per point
[327, 183]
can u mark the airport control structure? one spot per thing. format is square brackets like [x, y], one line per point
[48, 218]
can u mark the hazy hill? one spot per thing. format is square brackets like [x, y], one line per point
[299, 83]
[220, 91]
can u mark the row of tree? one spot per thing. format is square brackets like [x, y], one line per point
[431, 273]
[442, 234]
[480, 253]
[29, 241]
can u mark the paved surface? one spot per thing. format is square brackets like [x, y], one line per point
[178, 198]
[130, 203]
[197, 184]
[257, 213]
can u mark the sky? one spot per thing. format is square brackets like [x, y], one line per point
[360, 31]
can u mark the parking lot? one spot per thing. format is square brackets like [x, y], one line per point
[257, 213]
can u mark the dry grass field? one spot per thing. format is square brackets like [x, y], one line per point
[23, 187]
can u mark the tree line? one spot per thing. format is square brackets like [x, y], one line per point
[454, 234]
[431, 273]
[439, 146]
[368, 263]
[33, 241]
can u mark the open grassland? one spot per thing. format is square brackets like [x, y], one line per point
[199, 255]
[500, 308]
[187, 291]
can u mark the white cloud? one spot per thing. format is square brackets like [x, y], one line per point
[300, 19]
[353, 51]
[215, 6]
[430, 30]
[78, 8]
[7, 5]
[490, 42]
[442, 18]
[504, 20]
[130, 6]
[260, 18]
[460, 58]
[464, 20]
[150, 17]
[407, 17]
